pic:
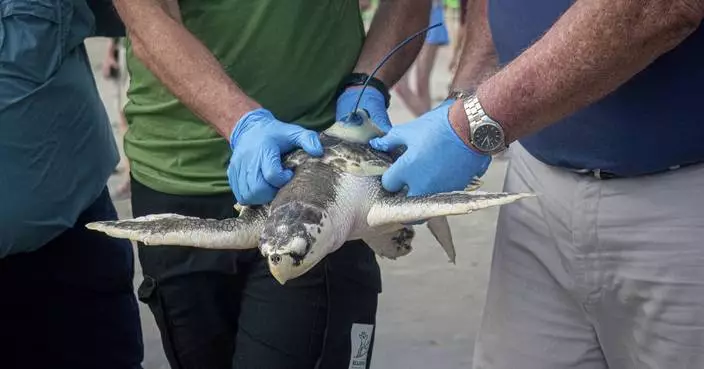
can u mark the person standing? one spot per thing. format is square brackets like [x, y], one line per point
[418, 100]
[67, 293]
[218, 91]
[601, 103]
[113, 69]
[459, 39]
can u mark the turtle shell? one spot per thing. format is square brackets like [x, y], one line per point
[350, 157]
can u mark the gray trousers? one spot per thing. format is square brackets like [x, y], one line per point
[596, 274]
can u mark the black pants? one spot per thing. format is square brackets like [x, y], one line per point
[219, 309]
[71, 304]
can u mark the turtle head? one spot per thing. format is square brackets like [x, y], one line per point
[296, 237]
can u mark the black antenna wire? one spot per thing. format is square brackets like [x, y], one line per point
[385, 59]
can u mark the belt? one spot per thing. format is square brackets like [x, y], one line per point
[604, 175]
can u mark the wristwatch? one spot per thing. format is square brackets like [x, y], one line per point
[485, 134]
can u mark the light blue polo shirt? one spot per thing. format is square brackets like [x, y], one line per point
[57, 150]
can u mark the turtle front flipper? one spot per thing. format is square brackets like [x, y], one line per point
[179, 230]
[391, 209]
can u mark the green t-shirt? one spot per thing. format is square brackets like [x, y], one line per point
[290, 56]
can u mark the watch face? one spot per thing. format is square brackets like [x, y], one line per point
[488, 137]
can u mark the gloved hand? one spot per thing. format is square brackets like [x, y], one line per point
[372, 101]
[435, 160]
[255, 172]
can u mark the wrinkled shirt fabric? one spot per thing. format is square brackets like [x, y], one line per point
[57, 150]
[651, 123]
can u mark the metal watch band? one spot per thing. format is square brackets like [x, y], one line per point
[475, 116]
[474, 111]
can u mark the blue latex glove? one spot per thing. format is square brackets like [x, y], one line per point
[372, 101]
[255, 172]
[435, 160]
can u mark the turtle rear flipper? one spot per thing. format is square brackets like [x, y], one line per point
[397, 243]
[474, 184]
[179, 230]
[391, 245]
[440, 229]
[391, 209]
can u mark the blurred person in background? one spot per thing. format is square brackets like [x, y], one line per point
[459, 37]
[419, 101]
[114, 70]
[364, 5]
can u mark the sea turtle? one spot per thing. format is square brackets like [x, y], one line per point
[331, 199]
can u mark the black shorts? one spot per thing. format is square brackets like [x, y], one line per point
[222, 309]
[71, 304]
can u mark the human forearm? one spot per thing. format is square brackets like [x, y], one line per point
[183, 64]
[592, 49]
[393, 21]
[478, 56]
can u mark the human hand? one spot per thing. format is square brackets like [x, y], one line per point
[372, 101]
[255, 172]
[436, 159]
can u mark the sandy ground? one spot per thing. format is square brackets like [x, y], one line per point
[429, 309]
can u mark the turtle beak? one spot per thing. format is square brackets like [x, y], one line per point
[290, 260]
[281, 267]
[284, 267]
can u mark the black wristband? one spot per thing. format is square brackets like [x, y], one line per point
[358, 79]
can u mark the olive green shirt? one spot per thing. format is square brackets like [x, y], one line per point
[290, 56]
